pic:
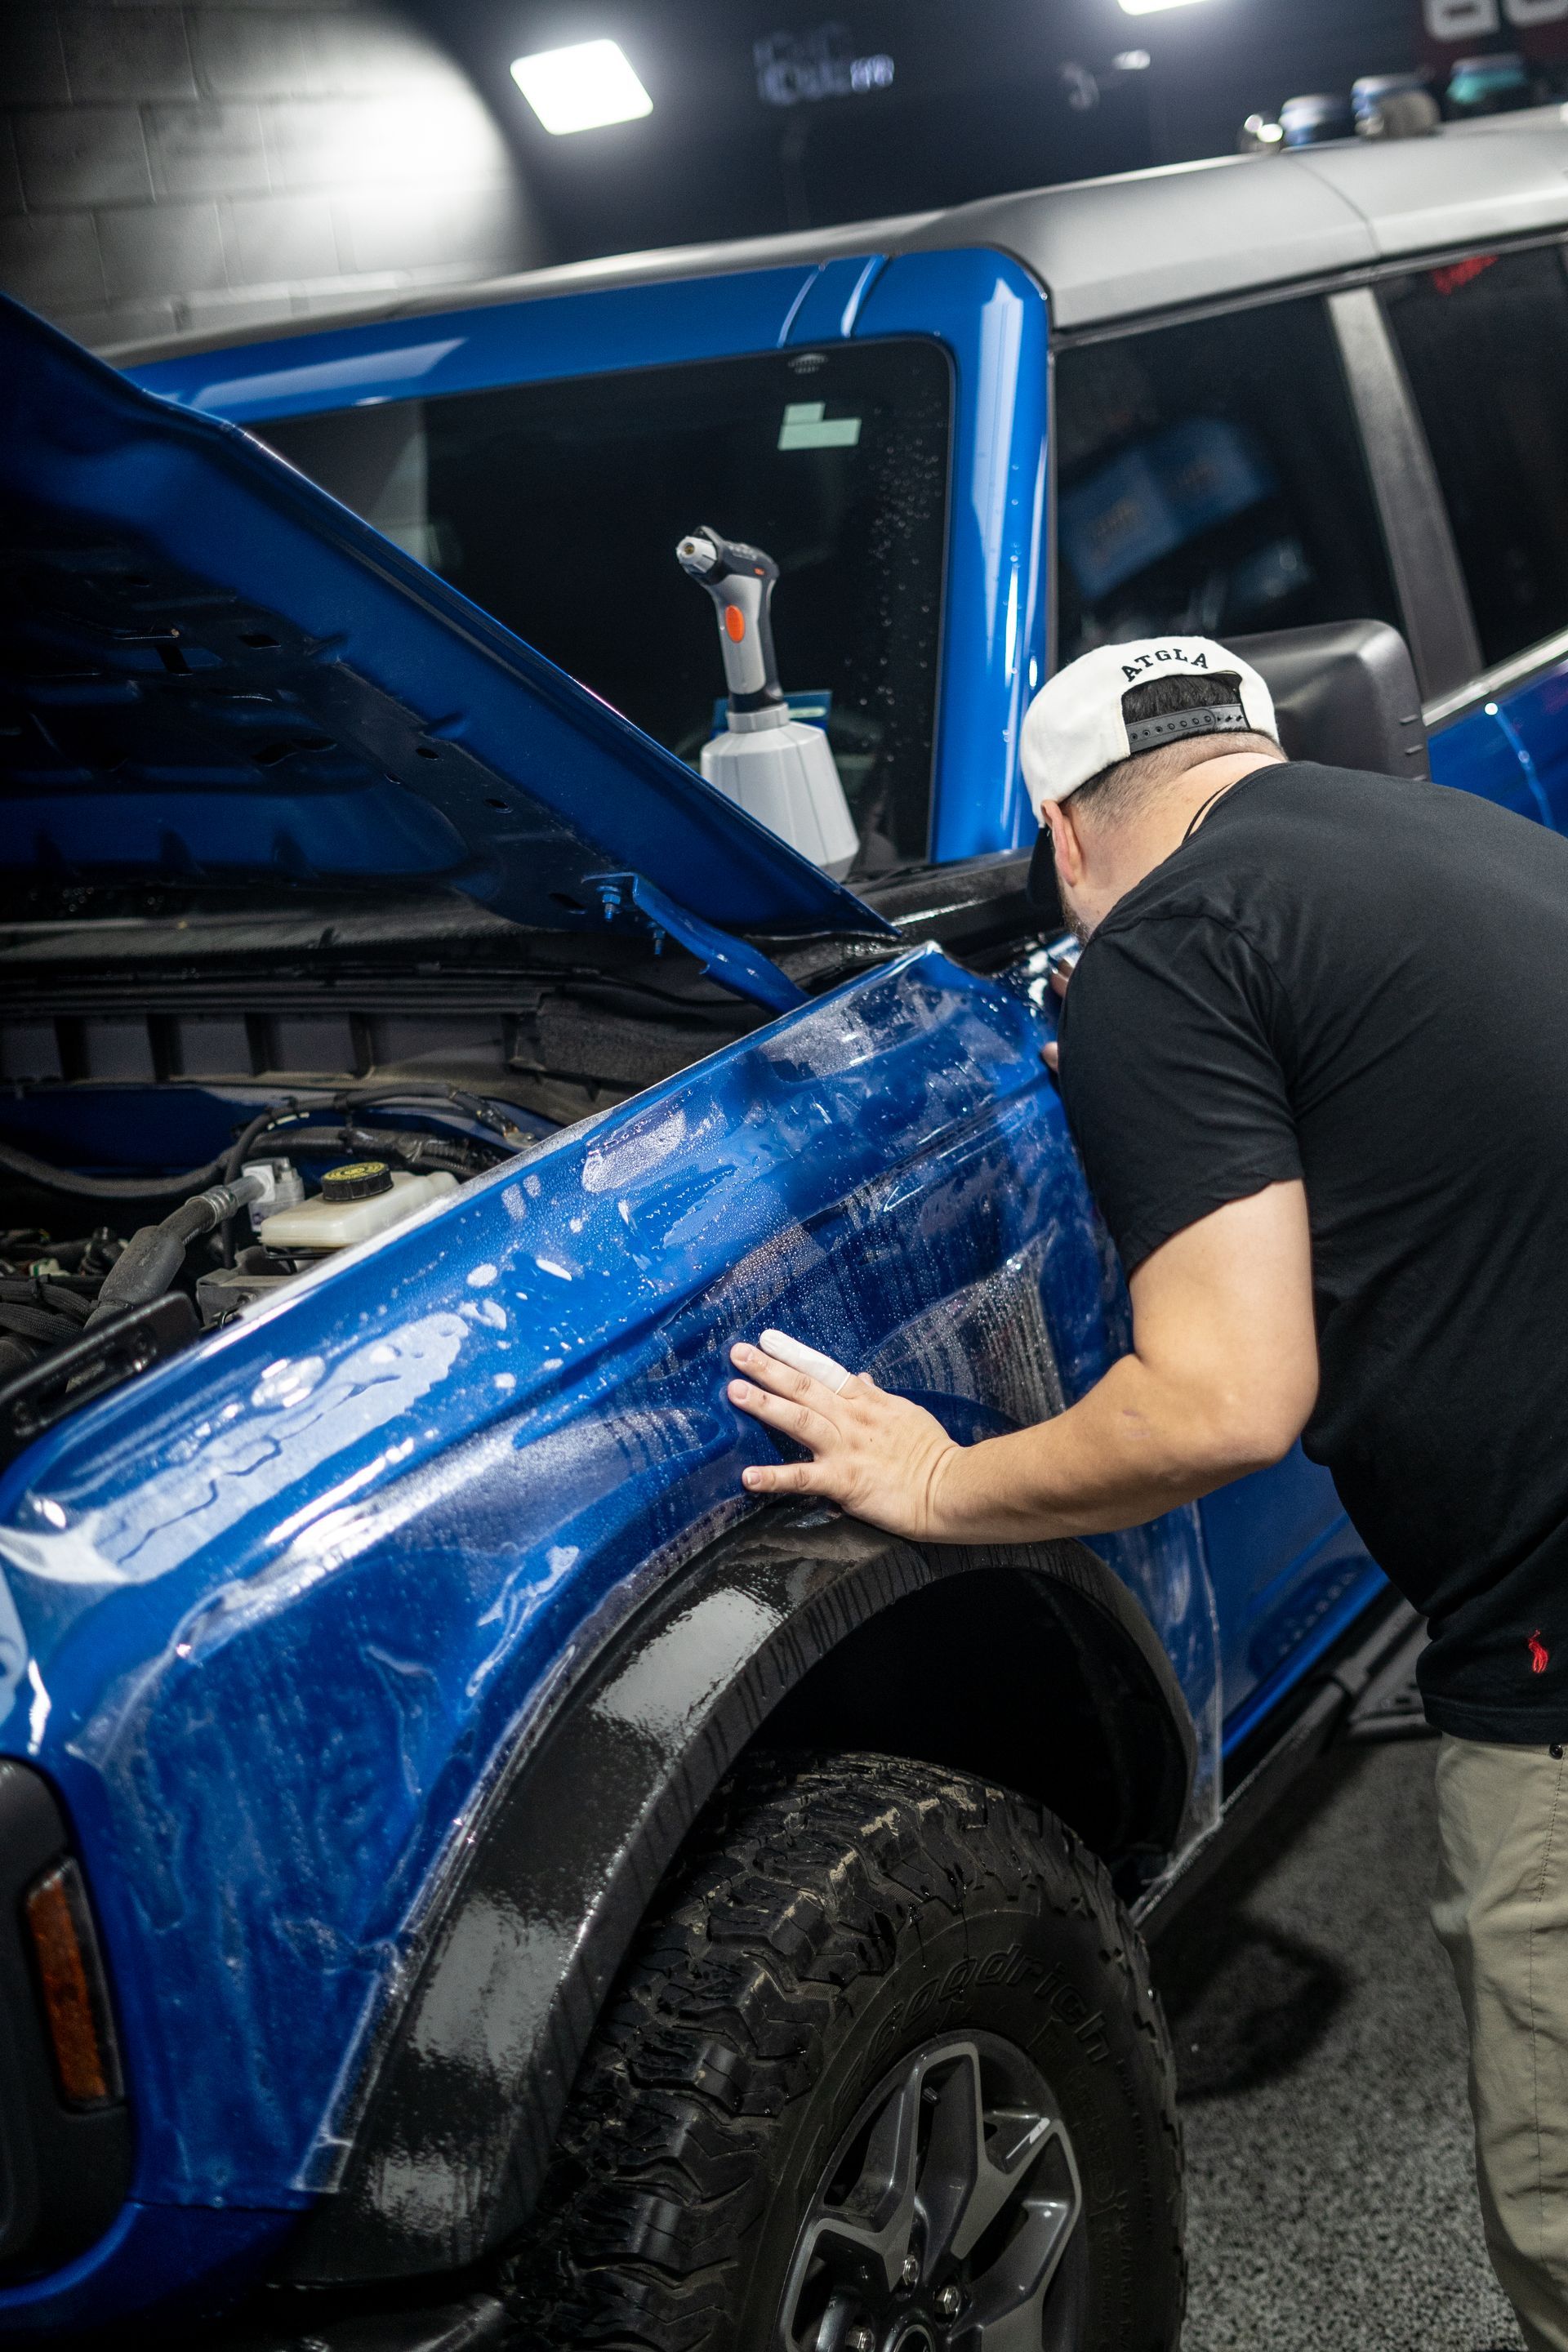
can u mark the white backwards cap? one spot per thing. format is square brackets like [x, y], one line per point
[1075, 725]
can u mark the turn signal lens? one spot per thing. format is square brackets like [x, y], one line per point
[71, 1981]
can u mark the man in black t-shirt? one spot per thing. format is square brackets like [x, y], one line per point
[1313, 1057]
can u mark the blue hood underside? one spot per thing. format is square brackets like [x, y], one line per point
[212, 673]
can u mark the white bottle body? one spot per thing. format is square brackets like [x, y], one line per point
[785, 776]
[318, 1224]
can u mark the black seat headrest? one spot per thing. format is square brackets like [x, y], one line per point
[1344, 693]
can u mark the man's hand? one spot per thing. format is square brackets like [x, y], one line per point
[879, 1455]
[1222, 1377]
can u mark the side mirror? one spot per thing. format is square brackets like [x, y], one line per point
[1345, 694]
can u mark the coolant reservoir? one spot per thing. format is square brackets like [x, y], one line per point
[364, 1198]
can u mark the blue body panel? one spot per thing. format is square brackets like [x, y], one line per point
[1535, 718]
[189, 2258]
[242, 1587]
[1481, 753]
[1513, 750]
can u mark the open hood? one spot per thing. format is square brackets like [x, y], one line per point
[211, 673]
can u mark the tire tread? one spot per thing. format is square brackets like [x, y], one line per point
[800, 1879]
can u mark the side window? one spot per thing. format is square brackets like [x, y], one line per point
[1485, 344]
[1209, 479]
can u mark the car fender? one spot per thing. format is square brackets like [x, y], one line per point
[460, 2102]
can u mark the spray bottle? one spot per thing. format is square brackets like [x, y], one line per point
[778, 769]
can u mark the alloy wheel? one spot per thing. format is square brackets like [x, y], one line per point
[949, 2217]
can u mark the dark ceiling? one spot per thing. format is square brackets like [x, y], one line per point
[984, 95]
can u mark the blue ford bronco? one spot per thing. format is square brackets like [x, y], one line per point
[465, 1875]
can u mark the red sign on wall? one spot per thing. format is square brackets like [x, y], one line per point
[1457, 28]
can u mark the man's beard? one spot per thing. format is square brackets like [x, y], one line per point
[1077, 922]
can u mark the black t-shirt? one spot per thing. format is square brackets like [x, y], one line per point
[1364, 983]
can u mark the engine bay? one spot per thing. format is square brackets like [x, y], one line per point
[204, 1099]
[203, 1102]
[282, 1199]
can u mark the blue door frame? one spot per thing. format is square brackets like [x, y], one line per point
[986, 311]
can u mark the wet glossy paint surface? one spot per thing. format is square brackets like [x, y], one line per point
[1514, 750]
[272, 1614]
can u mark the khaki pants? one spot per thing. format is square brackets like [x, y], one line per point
[1502, 1912]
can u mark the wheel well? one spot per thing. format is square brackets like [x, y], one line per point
[1007, 1674]
[1031, 1665]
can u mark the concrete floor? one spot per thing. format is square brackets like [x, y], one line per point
[1320, 2049]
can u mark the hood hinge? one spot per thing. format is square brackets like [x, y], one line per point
[745, 970]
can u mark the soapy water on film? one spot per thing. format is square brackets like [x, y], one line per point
[988, 1341]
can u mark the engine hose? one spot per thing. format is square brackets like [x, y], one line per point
[419, 1150]
[145, 1188]
[105, 1188]
[72, 1256]
[437, 1155]
[152, 1257]
[406, 1147]
[416, 1150]
[353, 1098]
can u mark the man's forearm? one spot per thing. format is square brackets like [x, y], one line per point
[1221, 1380]
[1134, 1446]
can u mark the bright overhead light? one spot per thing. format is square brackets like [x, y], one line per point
[582, 88]
[1148, 7]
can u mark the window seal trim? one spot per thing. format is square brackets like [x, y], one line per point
[1427, 577]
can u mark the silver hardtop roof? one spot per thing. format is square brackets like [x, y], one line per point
[1113, 248]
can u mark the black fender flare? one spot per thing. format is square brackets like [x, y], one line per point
[467, 2080]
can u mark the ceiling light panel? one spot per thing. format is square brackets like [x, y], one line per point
[583, 87]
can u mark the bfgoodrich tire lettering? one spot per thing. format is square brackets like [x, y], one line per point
[828, 1918]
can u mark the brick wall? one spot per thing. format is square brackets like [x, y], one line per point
[166, 168]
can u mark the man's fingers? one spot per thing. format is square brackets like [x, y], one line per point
[796, 1421]
[784, 1478]
[1051, 1055]
[772, 1372]
[783, 1380]
[804, 1359]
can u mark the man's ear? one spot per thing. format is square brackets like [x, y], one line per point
[1066, 848]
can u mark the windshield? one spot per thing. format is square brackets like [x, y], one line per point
[558, 505]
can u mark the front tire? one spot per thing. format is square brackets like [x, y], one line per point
[885, 2068]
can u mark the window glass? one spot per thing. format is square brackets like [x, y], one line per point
[1485, 344]
[558, 507]
[1209, 480]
